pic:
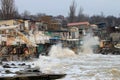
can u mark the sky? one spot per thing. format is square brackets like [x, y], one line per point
[61, 7]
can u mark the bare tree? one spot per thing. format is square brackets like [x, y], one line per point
[8, 9]
[39, 15]
[80, 15]
[72, 8]
[26, 14]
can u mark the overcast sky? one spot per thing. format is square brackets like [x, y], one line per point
[61, 7]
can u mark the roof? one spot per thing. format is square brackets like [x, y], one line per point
[57, 30]
[8, 27]
[78, 23]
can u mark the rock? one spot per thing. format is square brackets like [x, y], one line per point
[6, 66]
[0, 62]
[13, 64]
[23, 64]
[8, 71]
[18, 72]
[36, 70]
[33, 70]
[4, 59]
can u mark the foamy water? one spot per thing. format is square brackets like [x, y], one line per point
[58, 51]
[80, 67]
[85, 66]
[88, 42]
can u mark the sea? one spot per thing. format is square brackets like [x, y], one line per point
[85, 65]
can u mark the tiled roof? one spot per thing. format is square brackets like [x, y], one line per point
[78, 23]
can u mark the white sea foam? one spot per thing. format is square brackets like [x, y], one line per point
[80, 67]
[58, 51]
[88, 43]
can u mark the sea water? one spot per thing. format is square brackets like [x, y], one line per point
[83, 66]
